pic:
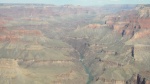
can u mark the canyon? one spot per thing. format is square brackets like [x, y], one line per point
[49, 44]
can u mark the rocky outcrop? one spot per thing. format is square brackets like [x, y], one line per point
[8, 63]
[15, 35]
[113, 81]
[26, 32]
[67, 76]
[142, 34]
[141, 53]
[2, 29]
[144, 11]
[10, 38]
[144, 22]
[93, 26]
[111, 64]
[119, 28]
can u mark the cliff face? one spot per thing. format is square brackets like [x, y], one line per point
[118, 51]
[27, 56]
[142, 34]
[15, 35]
[50, 61]
[144, 22]
[143, 11]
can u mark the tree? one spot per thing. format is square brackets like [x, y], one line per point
[143, 82]
[138, 79]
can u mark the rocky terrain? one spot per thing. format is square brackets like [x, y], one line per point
[48, 44]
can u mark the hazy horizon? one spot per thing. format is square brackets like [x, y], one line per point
[77, 2]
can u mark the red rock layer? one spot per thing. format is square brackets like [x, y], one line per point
[144, 23]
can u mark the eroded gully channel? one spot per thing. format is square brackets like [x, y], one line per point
[87, 70]
[81, 47]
